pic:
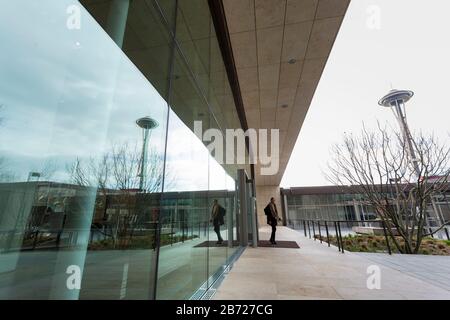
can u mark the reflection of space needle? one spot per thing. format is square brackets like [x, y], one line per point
[147, 124]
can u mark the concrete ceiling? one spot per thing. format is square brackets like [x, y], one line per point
[280, 49]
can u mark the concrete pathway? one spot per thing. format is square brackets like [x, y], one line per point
[432, 269]
[316, 271]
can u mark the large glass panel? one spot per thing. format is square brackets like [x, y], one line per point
[81, 180]
[183, 268]
[94, 204]
[219, 211]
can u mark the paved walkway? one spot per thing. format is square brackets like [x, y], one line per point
[316, 271]
[432, 269]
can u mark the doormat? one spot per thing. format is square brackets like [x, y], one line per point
[261, 243]
[210, 244]
[280, 244]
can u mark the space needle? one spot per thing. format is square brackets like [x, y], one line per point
[146, 124]
[396, 100]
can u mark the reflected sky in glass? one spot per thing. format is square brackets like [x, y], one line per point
[73, 93]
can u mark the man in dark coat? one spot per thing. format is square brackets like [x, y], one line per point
[272, 218]
[217, 215]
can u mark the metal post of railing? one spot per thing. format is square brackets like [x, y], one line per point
[446, 233]
[328, 235]
[304, 228]
[70, 238]
[58, 238]
[314, 230]
[171, 227]
[309, 230]
[340, 236]
[386, 238]
[181, 224]
[199, 228]
[320, 233]
[337, 236]
[431, 232]
[35, 239]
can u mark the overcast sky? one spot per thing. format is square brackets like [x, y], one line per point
[68, 94]
[410, 50]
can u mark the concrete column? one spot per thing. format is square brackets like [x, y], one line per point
[254, 224]
[117, 20]
[357, 212]
[286, 209]
[243, 230]
[229, 214]
[263, 195]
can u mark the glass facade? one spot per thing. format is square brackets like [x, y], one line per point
[325, 207]
[105, 191]
[350, 207]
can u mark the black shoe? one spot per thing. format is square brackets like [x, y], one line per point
[219, 242]
[274, 242]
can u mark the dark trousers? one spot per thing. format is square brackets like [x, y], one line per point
[217, 231]
[274, 229]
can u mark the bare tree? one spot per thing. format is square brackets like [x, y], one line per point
[377, 165]
[118, 169]
[117, 172]
[77, 173]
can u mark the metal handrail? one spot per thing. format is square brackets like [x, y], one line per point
[308, 223]
[311, 223]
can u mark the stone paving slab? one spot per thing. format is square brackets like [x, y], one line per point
[431, 269]
[316, 271]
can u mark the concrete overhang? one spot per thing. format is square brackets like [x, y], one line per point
[280, 49]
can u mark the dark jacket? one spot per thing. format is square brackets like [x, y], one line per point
[271, 220]
[221, 214]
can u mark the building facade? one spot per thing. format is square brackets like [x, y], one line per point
[347, 204]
